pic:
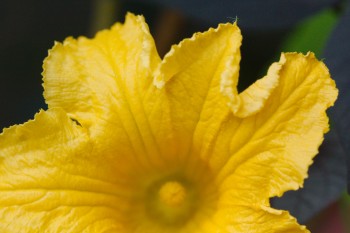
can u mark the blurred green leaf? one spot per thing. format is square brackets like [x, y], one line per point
[311, 34]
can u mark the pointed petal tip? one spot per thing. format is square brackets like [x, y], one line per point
[234, 39]
[129, 15]
[253, 99]
[311, 57]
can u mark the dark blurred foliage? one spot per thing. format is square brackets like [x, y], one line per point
[29, 28]
[337, 54]
[252, 14]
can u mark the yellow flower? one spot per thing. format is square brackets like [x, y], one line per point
[133, 143]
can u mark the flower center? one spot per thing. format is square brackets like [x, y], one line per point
[171, 201]
[172, 194]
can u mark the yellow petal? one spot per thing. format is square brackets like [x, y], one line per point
[242, 219]
[290, 126]
[53, 181]
[246, 185]
[253, 99]
[105, 83]
[83, 76]
[149, 146]
[191, 75]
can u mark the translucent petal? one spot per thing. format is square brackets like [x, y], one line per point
[191, 75]
[106, 83]
[254, 98]
[290, 126]
[83, 76]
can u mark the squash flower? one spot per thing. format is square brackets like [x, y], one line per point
[135, 143]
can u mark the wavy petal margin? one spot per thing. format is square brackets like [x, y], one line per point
[83, 76]
[290, 127]
[87, 162]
